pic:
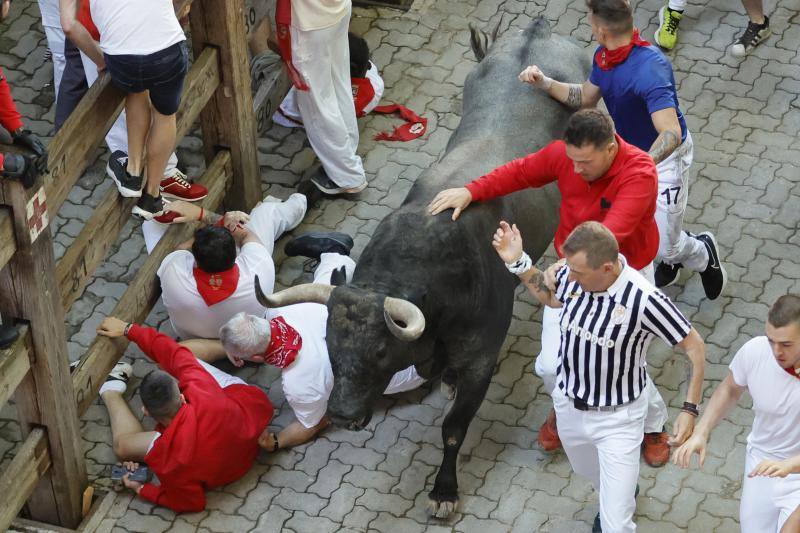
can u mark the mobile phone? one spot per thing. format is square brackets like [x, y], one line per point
[140, 475]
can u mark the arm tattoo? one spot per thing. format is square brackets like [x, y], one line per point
[537, 283]
[575, 96]
[664, 145]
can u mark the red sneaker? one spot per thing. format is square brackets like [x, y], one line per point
[548, 434]
[179, 188]
[166, 218]
[655, 449]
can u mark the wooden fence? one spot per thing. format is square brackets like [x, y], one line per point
[48, 472]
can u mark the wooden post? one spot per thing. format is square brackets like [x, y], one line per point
[29, 291]
[228, 121]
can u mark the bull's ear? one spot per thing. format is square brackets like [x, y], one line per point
[339, 276]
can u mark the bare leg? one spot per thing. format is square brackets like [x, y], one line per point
[755, 10]
[130, 439]
[160, 144]
[292, 435]
[792, 524]
[208, 350]
[137, 111]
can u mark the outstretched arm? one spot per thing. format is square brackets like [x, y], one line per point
[574, 95]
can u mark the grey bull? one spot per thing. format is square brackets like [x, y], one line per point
[431, 292]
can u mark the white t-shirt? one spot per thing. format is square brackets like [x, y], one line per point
[308, 381]
[50, 15]
[776, 400]
[136, 27]
[188, 312]
[317, 14]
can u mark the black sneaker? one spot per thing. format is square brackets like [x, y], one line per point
[752, 37]
[8, 334]
[328, 186]
[667, 274]
[596, 525]
[148, 206]
[117, 169]
[714, 277]
[317, 243]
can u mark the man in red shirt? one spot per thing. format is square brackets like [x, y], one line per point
[603, 178]
[208, 422]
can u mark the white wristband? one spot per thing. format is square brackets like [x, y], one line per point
[521, 265]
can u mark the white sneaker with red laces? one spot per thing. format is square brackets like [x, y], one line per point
[177, 187]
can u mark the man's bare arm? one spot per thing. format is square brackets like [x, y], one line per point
[534, 280]
[669, 134]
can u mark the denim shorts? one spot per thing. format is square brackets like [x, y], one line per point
[162, 73]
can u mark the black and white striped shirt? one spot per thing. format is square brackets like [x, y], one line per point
[605, 335]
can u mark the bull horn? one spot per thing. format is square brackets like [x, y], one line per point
[399, 310]
[307, 292]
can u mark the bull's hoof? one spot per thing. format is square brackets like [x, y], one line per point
[442, 506]
[448, 391]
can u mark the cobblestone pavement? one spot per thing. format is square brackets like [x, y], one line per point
[745, 118]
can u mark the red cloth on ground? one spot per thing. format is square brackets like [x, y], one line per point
[10, 118]
[85, 18]
[213, 439]
[624, 199]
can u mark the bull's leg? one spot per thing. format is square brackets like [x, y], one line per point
[449, 382]
[471, 388]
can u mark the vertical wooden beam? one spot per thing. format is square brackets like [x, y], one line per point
[228, 121]
[29, 291]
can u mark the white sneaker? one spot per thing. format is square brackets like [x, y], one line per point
[118, 378]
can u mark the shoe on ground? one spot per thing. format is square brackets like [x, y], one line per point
[655, 448]
[148, 207]
[178, 187]
[317, 243]
[667, 274]
[714, 277]
[666, 35]
[754, 35]
[8, 334]
[311, 192]
[596, 525]
[328, 186]
[117, 169]
[548, 433]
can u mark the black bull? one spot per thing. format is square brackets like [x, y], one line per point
[449, 270]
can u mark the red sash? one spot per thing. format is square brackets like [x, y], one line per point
[793, 371]
[414, 127]
[284, 343]
[607, 59]
[217, 286]
[283, 23]
[363, 93]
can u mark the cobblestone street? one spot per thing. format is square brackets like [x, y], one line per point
[745, 119]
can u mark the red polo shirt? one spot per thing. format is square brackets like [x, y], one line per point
[623, 199]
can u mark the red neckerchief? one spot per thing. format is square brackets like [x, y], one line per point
[414, 127]
[793, 371]
[217, 286]
[607, 59]
[283, 23]
[363, 93]
[284, 343]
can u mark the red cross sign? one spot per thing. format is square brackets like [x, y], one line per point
[36, 214]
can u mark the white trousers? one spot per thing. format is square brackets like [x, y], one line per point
[604, 448]
[117, 136]
[269, 219]
[766, 502]
[55, 42]
[322, 57]
[547, 364]
[675, 246]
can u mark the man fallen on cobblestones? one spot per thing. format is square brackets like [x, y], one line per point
[768, 367]
[211, 277]
[144, 48]
[293, 339]
[636, 83]
[601, 177]
[608, 315]
[208, 422]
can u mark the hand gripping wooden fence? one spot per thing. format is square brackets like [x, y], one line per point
[48, 472]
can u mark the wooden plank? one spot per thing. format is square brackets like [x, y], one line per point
[143, 291]
[8, 243]
[14, 364]
[28, 291]
[76, 267]
[228, 121]
[101, 505]
[269, 96]
[21, 477]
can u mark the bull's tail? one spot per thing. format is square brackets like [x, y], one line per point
[480, 41]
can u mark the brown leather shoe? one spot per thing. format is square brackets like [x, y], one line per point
[655, 449]
[548, 433]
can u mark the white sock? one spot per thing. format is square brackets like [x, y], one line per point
[113, 385]
[677, 5]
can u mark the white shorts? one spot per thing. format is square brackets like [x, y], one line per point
[766, 502]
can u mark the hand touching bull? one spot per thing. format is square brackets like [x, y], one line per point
[456, 199]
